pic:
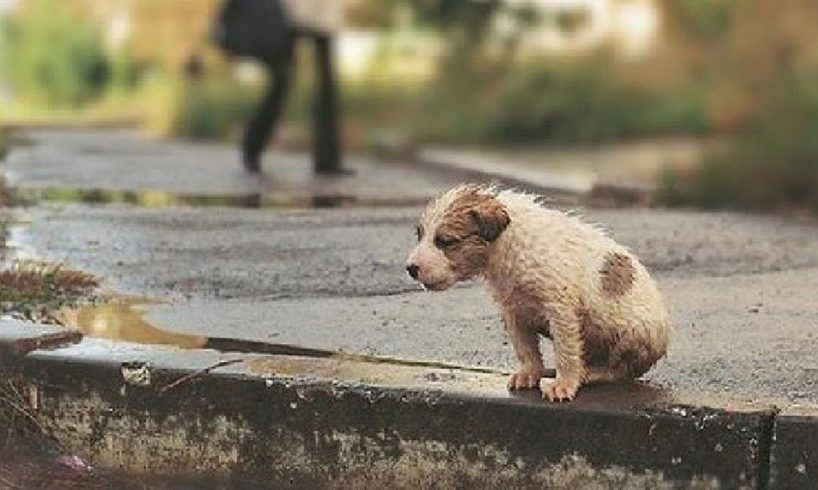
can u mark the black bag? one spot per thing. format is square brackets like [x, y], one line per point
[258, 29]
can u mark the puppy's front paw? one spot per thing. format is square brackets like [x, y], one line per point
[561, 389]
[525, 379]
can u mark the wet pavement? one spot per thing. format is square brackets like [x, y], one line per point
[740, 287]
[632, 164]
[59, 163]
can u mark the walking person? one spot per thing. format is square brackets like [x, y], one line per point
[266, 30]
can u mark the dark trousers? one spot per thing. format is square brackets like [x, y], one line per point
[326, 145]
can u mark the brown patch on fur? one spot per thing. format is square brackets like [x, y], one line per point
[617, 274]
[471, 222]
[474, 212]
[597, 345]
[491, 218]
[457, 223]
[467, 256]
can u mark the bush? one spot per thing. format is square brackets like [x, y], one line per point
[52, 57]
[772, 163]
[4, 144]
[587, 102]
[584, 101]
[765, 68]
[421, 114]
[212, 110]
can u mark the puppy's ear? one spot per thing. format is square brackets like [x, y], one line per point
[490, 218]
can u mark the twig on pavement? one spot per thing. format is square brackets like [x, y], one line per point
[205, 370]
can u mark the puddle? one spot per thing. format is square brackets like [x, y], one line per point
[124, 320]
[15, 239]
[158, 199]
[381, 373]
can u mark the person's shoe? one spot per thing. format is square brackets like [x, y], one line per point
[337, 172]
[251, 163]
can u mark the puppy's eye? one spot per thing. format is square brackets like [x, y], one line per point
[443, 241]
[419, 232]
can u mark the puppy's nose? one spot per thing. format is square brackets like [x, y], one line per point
[413, 270]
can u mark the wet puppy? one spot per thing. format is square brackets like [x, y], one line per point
[551, 275]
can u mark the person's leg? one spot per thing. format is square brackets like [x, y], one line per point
[266, 117]
[326, 146]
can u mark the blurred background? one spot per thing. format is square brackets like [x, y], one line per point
[734, 81]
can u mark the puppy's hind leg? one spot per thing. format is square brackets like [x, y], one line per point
[601, 374]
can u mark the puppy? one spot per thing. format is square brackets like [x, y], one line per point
[551, 275]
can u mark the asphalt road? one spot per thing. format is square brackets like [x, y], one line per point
[740, 287]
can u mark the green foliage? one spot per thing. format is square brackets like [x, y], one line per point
[471, 17]
[541, 102]
[212, 109]
[772, 163]
[52, 57]
[4, 144]
[480, 95]
[767, 69]
[125, 74]
[587, 102]
[704, 20]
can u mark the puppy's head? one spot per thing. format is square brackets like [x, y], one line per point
[454, 234]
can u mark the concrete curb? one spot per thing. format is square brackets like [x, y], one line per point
[286, 421]
[560, 188]
[794, 450]
[18, 338]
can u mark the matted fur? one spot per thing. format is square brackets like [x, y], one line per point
[551, 274]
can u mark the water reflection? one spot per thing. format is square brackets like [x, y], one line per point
[124, 321]
[150, 198]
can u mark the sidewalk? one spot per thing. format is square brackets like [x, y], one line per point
[611, 175]
[105, 165]
[287, 270]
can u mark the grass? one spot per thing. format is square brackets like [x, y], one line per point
[17, 418]
[107, 112]
[34, 290]
[212, 110]
[4, 144]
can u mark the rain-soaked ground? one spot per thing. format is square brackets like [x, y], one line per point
[196, 254]
[171, 224]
